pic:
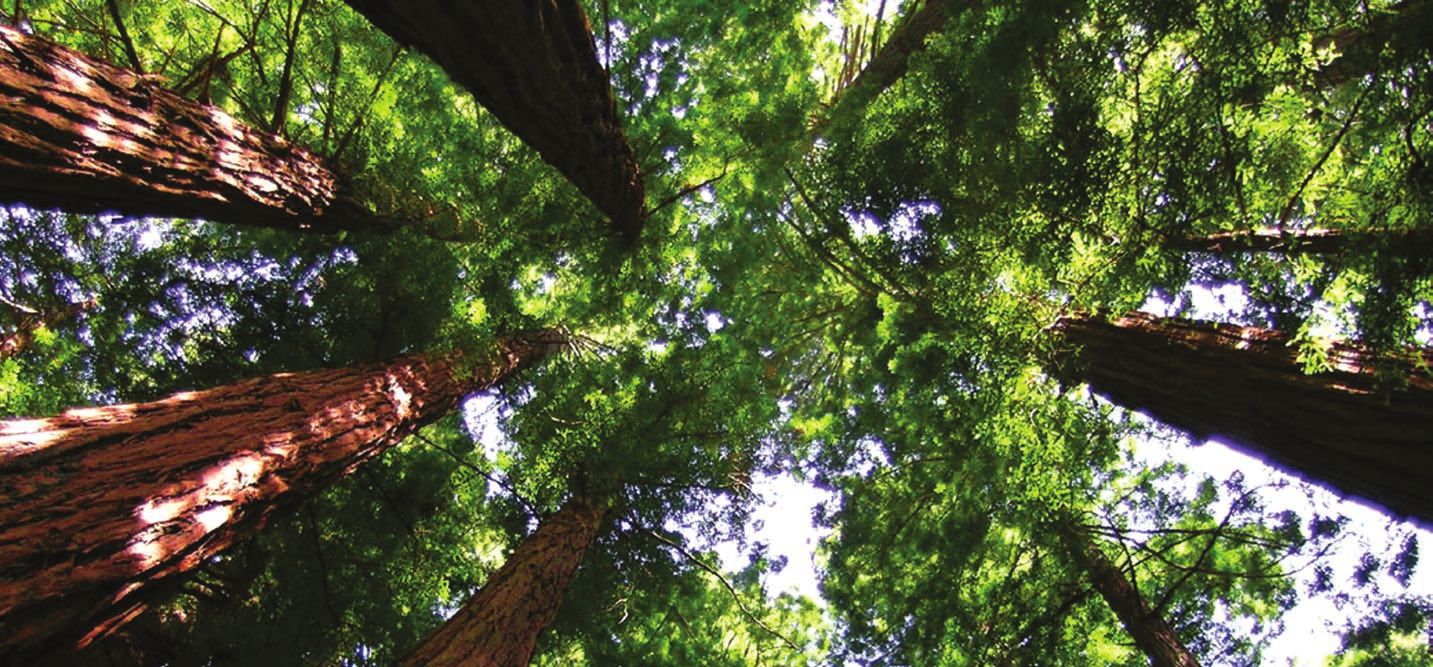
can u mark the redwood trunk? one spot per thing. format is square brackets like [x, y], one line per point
[1151, 634]
[86, 137]
[105, 505]
[500, 624]
[533, 65]
[1246, 386]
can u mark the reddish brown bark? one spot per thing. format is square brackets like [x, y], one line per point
[1409, 242]
[1247, 386]
[1151, 634]
[500, 624]
[86, 137]
[533, 65]
[104, 505]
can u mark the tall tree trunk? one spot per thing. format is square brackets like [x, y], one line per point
[533, 65]
[1247, 386]
[82, 136]
[890, 63]
[1417, 241]
[105, 505]
[500, 624]
[1146, 626]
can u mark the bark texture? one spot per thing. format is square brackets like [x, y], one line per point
[104, 506]
[1151, 634]
[85, 137]
[1247, 387]
[533, 65]
[1409, 242]
[500, 624]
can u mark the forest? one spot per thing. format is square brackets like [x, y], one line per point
[411, 332]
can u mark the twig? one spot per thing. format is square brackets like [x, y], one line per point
[1338, 138]
[730, 589]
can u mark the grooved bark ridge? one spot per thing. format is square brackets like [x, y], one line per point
[1248, 387]
[499, 626]
[103, 506]
[86, 137]
[533, 65]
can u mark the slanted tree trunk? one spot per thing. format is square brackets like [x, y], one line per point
[1151, 634]
[889, 64]
[1246, 386]
[533, 65]
[1408, 242]
[105, 505]
[500, 624]
[85, 137]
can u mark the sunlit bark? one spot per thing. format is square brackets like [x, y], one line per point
[534, 66]
[1150, 632]
[103, 506]
[1247, 386]
[500, 624]
[86, 137]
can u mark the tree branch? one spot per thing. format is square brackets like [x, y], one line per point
[730, 589]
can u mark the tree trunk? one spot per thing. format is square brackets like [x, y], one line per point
[105, 505]
[1247, 386]
[533, 65]
[890, 63]
[500, 624]
[1408, 242]
[1151, 634]
[86, 137]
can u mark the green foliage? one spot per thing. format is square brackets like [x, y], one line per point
[862, 300]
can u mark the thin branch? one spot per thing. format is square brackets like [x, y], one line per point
[1338, 138]
[530, 507]
[730, 589]
[128, 43]
[688, 190]
[286, 79]
[323, 565]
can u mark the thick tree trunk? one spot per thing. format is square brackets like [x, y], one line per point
[500, 624]
[1146, 626]
[1408, 242]
[85, 137]
[1247, 386]
[533, 65]
[105, 505]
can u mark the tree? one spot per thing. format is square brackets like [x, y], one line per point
[499, 626]
[90, 138]
[536, 69]
[1151, 633]
[870, 302]
[147, 492]
[1338, 425]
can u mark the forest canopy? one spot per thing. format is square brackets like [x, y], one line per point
[378, 332]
